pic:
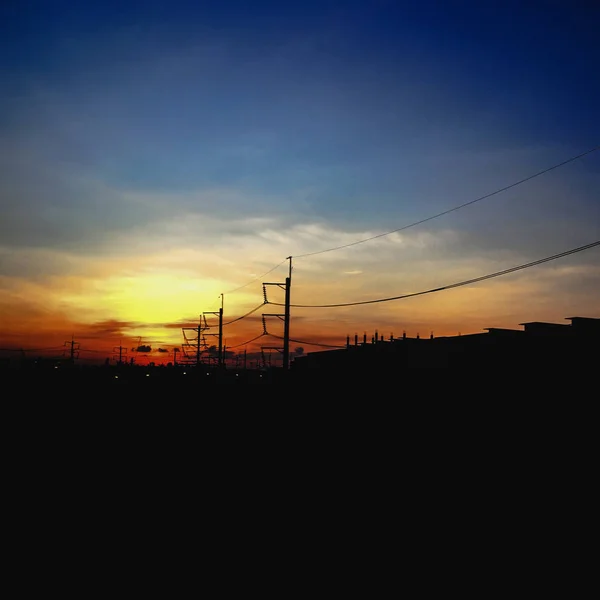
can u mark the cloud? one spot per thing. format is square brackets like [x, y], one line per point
[108, 329]
[50, 212]
[141, 182]
[38, 263]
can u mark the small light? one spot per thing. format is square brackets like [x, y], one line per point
[184, 373]
[116, 377]
[56, 367]
[208, 373]
[237, 374]
[147, 374]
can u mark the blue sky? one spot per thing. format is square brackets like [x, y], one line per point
[129, 129]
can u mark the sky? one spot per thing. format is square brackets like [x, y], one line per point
[161, 159]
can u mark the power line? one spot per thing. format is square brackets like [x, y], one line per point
[308, 343]
[256, 278]
[245, 343]
[508, 187]
[425, 220]
[246, 315]
[31, 349]
[453, 285]
[216, 303]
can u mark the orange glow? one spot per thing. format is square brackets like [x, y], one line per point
[145, 300]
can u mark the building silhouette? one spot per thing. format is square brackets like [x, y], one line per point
[537, 347]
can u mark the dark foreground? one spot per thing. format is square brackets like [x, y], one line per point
[408, 384]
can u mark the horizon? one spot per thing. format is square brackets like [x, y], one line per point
[159, 161]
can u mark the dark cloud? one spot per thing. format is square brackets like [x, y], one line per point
[254, 318]
[178, 325]
[107, 329]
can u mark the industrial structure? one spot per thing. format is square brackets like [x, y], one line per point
[196, 349]
[537, 346]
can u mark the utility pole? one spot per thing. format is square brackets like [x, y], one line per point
[192, 344]
[286, 316]
[74, 347]
[120, 349]
[221, 331]
[220, 334]
[198, 342]
[286, 322]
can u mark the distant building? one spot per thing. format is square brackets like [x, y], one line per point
[537, 347]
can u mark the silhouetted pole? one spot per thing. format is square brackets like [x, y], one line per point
[72, 349]
[120, 348]
[286, 320]
[198, 343]
[245, 363]
[221, 332]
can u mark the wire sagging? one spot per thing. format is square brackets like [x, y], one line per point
[455, 208]
[452, 285]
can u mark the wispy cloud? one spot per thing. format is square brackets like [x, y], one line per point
[149, 175]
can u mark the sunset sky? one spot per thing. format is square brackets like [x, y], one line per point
[155, 155]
